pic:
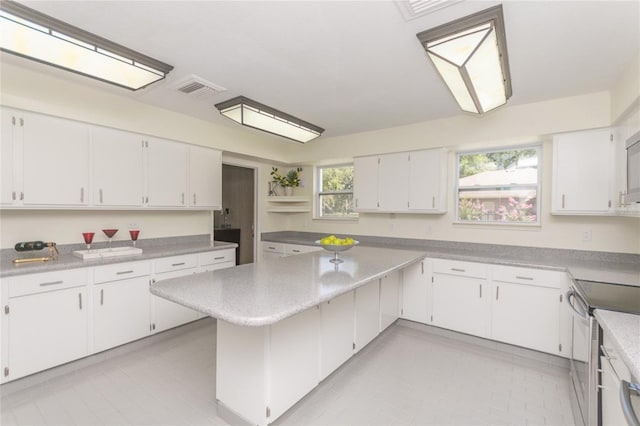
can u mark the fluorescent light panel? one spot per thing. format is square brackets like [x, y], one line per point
[28, 33]
[471, 56]
[262, 117]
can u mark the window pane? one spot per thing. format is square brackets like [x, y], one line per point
[336, 178]
[498, 186]
[337, 205]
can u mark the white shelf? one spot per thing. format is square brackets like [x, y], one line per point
[291, 199]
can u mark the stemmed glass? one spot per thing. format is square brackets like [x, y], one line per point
[110, 233]
[134, 235]
[88, 239]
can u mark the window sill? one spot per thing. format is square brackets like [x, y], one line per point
[516, 225]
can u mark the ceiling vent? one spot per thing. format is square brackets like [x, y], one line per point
[198, 88]
[412, 9]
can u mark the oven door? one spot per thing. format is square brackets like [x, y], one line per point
[584, 361]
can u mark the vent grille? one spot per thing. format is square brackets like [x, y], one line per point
[412, 9]
[198, 88]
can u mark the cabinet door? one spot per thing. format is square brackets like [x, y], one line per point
[527, 316]
[205, 177]
[10, 133]
[393, 182]
[367, 313]
[166, 173]
[55, 161]
[582, 174]
[461, 304]
[389, 299]
[117, 168]
[167, 314]
[416, 284]
[47, 329]
[120, 312]
[365, 183]
[428, 180]
[294, 360]
[336, 334]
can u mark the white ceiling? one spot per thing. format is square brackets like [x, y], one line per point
[349, 66]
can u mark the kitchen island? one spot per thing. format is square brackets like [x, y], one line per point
[288, 323]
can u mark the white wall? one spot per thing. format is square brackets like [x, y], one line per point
[626, 91]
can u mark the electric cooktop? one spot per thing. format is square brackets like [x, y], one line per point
[612, 297]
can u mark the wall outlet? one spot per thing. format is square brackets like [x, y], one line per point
[586, 235]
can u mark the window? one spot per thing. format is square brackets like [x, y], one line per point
[335, 192]
[499, 186]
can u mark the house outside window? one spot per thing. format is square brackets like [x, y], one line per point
[335, 192]
[499, 186]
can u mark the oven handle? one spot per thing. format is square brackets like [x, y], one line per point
[572, 294]
[625, 400]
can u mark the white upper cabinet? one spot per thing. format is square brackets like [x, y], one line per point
[10, 132]
[117, 168]
[55, 161]
[393, 182]
[405, 182]
[582, 173]
[428, 181]
[205, 177]
[365, 183]
[166, 173]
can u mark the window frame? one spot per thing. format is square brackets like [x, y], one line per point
[538, 147]
[317, 211]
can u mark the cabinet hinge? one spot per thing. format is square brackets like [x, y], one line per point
[431, 318]
[408, 204]
[268, 412]
[6, 309]
[560, 298]
[13, 121]
[609, 203]
[354, 346]
[21, 122]
[6, 372]
[560, 347]
[378, 160]
[401, 311]
[611, 137]
[431, 279]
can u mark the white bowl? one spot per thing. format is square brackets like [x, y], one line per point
[333, 248]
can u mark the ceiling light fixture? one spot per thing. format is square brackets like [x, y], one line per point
[28, 33]
[471, 56]
[254, 114]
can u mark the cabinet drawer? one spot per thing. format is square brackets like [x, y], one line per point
[175, 263]
[121, 271]
[465, 269]
[218, 256]
[293, 249]
[530, 276]
[47, 281]
[273, 247]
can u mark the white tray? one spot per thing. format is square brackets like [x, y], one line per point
[107, 252]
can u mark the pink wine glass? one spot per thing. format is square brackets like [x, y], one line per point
[134, 235]
[110, 233]
[88, 239]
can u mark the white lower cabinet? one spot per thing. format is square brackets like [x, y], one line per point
[121, 308]
[167, 314]
[46, 321]
[416, 292]
[389, 299]
[336, 333]
[294, 359]
[367, 313]
[461, 304]
[614, 370]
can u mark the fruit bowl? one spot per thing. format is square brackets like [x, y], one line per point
[336, 248]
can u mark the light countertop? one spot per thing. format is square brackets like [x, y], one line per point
[264, 293]
[624, 330]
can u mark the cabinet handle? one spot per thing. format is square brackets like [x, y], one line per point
[356, 203]
[177, 264]
[194, 199]
[130, 271]
[101, 296]
[218, 258]
[563, 201]
[13, 195]
[458, 270]
[524, 278]
[480, 291]
[101, 195]
[295, 251]
[82, 195]
[51, 283]
[625, 400]
[497, 292]
[183, 198]
[433, 202]
[80, 300]
[422, 267]
[146, 200]
[21, 196]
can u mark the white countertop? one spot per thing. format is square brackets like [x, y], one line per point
[264, 293]
[624, 330]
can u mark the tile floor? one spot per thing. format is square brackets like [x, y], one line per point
[410, 375]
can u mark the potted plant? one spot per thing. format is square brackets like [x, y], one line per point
[288, 180]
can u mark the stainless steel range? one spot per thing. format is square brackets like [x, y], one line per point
[583, 299]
